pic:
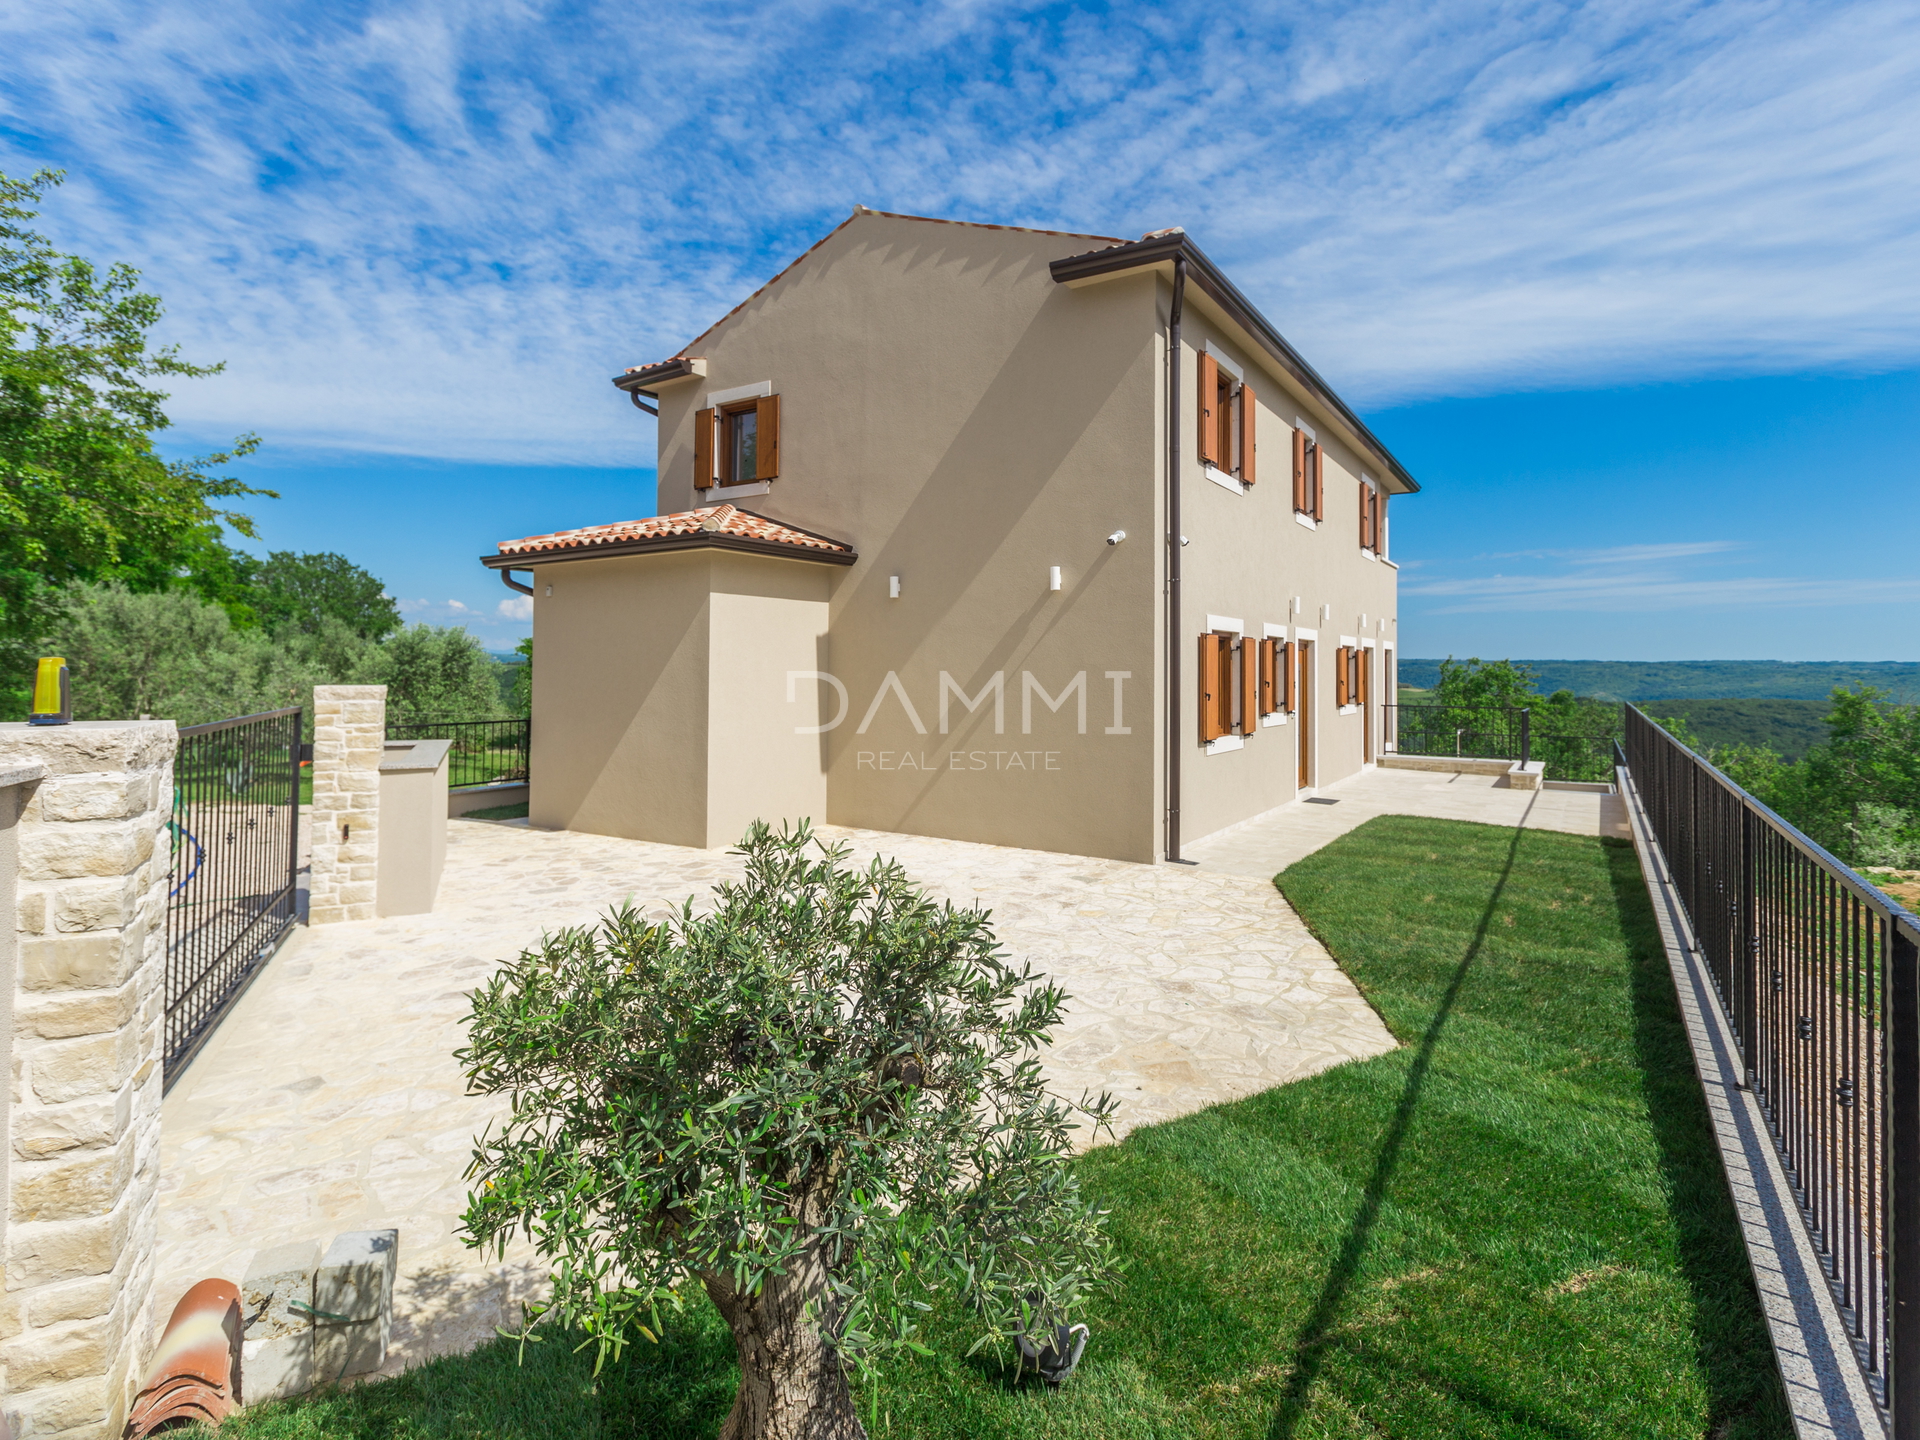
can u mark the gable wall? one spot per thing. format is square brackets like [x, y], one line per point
[968, 424]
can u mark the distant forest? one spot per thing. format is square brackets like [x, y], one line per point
[1643, 680]
[1780, 704]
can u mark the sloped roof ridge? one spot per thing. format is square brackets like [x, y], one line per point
[858, 211]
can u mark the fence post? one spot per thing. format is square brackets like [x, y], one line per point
[1903, 1180]
[349, 740]
[1526, 734]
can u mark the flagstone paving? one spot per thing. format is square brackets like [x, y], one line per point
[329, 1099]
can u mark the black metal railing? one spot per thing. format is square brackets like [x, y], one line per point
[1576, 747]
[234, 841]
[1819, 975]
[484, 752]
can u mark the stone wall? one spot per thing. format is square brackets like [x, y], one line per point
[88, 996]
[349, 738]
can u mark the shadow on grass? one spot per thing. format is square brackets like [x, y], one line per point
[1743, 1386]
[1317, 1334]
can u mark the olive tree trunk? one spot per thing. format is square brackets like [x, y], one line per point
[792, 1386]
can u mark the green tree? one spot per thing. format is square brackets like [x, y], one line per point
[436, 673]
[1484, 684]
[301, 592]
[83, 493]
[523, 678]
[821, 1103]
[171, 654]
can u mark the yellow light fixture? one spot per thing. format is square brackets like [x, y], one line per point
[52, 696]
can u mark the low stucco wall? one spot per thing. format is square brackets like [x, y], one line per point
[413, 825]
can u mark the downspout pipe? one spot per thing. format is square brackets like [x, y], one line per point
[1175, 627]
[506, 577]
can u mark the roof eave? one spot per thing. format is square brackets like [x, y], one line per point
[681, 367]
[1162, 249]
[703, 541]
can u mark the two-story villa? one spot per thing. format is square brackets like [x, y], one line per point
[1003, 535]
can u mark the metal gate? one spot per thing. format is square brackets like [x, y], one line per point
[235, 834]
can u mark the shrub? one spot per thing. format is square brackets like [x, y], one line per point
[820, 1102]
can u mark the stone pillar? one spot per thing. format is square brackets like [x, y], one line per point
[349, 741]
[89, 1002]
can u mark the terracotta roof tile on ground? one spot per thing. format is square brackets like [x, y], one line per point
[708, 520]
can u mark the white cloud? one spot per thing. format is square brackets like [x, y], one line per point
[439, 230]
[517, 608]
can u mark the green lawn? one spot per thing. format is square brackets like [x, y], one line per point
[1513, 1226]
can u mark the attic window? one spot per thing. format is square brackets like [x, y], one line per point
[737, 443]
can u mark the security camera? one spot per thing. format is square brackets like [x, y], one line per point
[1116, 537]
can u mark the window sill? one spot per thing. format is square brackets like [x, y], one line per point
[722, 493]
[1349, 710]
[1277, 718]
[1224, 480]
[1369, 556]
[1306, 520]
[1226, 743]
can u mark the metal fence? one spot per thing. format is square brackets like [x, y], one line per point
[485, 752]
[234, 833]
[1819, 974]
[1578, 747]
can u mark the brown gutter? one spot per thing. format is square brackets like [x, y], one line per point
[667, 543]
[1177, 246]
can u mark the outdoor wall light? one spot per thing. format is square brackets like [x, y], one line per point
[1116, 537]
[893, 587]
[549, 589]
[1053, 578]
[52, 695]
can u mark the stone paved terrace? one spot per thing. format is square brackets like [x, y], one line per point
[329, 1099]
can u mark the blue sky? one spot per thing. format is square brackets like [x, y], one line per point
[1632, 288]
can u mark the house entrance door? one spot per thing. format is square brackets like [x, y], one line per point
[1303, 707]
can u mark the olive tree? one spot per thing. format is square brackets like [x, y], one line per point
[820, 1101]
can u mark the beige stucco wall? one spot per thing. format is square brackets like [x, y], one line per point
[968, 424]
[413, 825]
[1249, 559]
[639, 731]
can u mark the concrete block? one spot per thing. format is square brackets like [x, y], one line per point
[353, 1302]
[277, 1368]
[1527, 776]
[277, 1279]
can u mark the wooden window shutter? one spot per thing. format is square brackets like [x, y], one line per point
[1366, 516]
[1249, 685]
[766, 426]
[1319, 482]
[1248, 409]
[703, 450]
[1300, 470]
[1210, 728]
[1287, 700]
[1268, 701]
[1209, 419]
[1380, 522]
[1340, 677]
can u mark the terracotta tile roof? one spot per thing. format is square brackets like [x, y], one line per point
[858, 211]
[716, 520]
